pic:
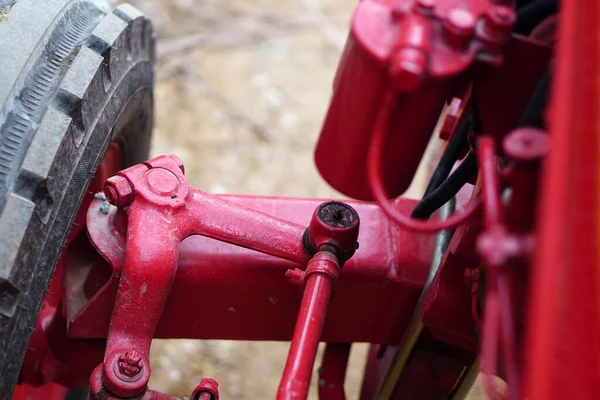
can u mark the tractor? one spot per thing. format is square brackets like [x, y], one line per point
[492, 272]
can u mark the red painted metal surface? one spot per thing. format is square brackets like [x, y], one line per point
[106, 231]
[206, 389]
[309, 326]
[501, 105]
[443, 308]
[161, 211]
[98, 392]
[333, 231]
[374, 169]
[563, 327]
[332, 372]
[168, 245]
[336, 225]
[505, 245]
[496, 247]
[526, 147]
[420, 49]
[51, 391]
[246, 294]
[55, 357]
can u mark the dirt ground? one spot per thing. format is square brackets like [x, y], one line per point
[241, 90]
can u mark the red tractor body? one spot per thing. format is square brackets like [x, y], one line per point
[508, 283]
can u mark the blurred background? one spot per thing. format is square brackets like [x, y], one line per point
[241, 89]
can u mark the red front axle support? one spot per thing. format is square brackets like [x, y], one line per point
[162, 210]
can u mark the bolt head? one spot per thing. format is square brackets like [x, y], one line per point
[111, 195]
[496, 27]
[118, 191]
[129, 364]
[335, 224]
[338, 215]
[162, 182]
[295, 276]
[500, 18]
[128, 370]
[459, 27]
[502, 15]
[126, 374]
[408, 69]
[207, 385]
[133, 357]
[526, 144]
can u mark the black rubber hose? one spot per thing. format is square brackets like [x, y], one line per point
[477, 125]
[524, 3]
[530, 15]
[428, 203]
[534, 112]
[451, 154]
[448, 189]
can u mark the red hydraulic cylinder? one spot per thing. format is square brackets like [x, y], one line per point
[321, 272]
[418, 49]
[364, 75]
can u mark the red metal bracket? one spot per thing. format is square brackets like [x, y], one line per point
[245, 295]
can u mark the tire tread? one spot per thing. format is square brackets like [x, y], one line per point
[52, 134]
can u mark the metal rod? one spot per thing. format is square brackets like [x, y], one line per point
[333, 371]
[464, 385]
[303, 349]
[442, 240]
[321, 274]
[214, 217]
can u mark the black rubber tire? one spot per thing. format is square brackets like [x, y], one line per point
[74, 77]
